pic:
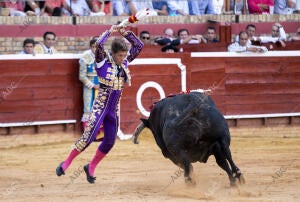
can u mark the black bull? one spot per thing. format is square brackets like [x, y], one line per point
[189, 128]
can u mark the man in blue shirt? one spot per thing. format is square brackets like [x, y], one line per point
[201, 7]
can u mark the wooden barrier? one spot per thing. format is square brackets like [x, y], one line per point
[38, 89]
[41, 90]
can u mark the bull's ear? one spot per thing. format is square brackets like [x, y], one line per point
[145, 122]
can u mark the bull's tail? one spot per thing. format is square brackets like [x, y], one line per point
[137, 132]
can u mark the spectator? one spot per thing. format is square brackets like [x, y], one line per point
[219, 6]
[238, 6]
[167, 38]
[252, 39]
[120, 8]
[33, 8]
[28, 46]
[297, 7]
[145, 37]
[101, 6]
[137, 5]
[201, 7]
[243, 46]
[178, 7]
[260, 6]
[160, 6]
[284, 6]
[278, 35]
[211, 36]
[184, 37]
[296, 37]
[16, 7]
[79, 8]
[47, 46]
[54, 8]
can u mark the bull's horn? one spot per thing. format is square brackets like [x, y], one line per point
[137, 132]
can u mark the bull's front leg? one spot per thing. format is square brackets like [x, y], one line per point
[186, 165]
[181, 159]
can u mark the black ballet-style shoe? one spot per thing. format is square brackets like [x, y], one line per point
[89, 178]
[59, 170]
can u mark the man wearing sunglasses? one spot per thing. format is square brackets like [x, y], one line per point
[145, 37]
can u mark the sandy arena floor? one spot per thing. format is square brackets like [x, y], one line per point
[271, 167]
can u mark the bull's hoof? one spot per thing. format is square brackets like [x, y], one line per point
[241, 179]
[189, 181]
[233, 183]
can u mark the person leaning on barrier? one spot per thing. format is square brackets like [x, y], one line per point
[166, 38]
[243, 46]
[252, 39]
[278, 35]
[28, 46]
[184, 37]
[296, 36]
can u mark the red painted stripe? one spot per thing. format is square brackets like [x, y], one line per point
[59, 30]
[28, 30]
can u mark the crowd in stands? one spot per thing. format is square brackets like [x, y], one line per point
[245, 41]
[170, 42]
[157, 7]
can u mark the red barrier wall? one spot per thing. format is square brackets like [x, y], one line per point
[43, 89]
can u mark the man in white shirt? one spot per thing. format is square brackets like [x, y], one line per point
[243, 46]
[251, 30]
[278, 35]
